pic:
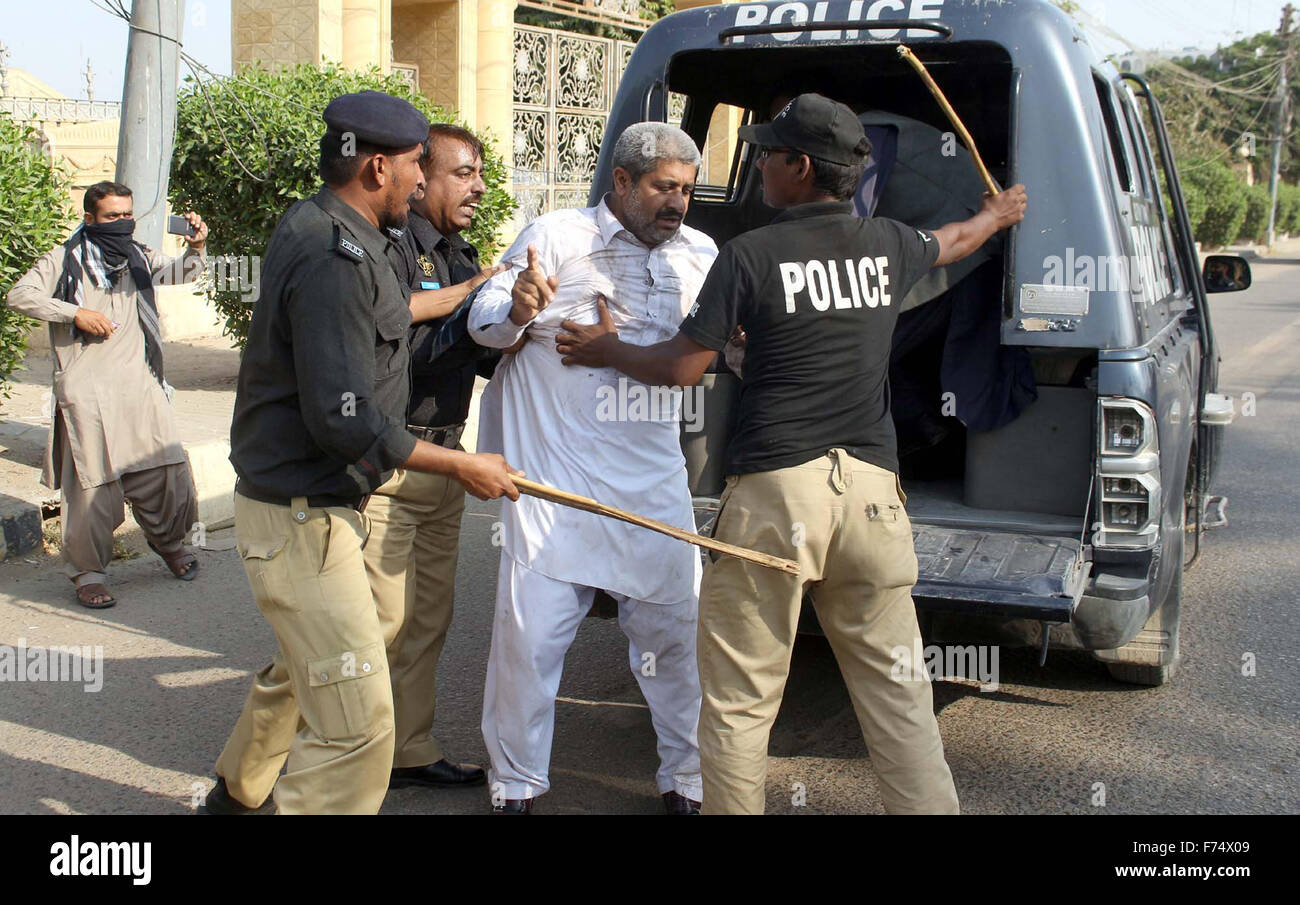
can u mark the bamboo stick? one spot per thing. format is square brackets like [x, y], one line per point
[906, 53]
[573, 500]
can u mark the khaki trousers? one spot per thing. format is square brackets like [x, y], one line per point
[411, 514]
[411, 564]
[843, 520]
[163, 501]
[309, 580]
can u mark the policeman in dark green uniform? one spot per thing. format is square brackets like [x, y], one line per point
[319, 423]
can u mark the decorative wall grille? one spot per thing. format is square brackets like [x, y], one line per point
[29, 109]
[564, 85]
[409, 73]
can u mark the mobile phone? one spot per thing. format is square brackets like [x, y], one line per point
[179, 226]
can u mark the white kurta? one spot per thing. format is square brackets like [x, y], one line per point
[594, 431]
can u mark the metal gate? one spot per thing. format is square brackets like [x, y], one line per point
[564, 85]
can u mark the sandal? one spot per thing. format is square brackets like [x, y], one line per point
[183, 564]
[87, 593]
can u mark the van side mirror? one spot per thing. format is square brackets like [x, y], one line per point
[1226, 273]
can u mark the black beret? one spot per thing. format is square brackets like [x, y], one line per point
[377, 119]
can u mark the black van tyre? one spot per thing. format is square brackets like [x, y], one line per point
[1165, 619]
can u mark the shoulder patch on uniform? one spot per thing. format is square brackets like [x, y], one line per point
[350, 249]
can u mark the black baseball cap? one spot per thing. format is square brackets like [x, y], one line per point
[815, 125]
[378, 119]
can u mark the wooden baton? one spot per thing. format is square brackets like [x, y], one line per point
[906, 53]
[574, 501]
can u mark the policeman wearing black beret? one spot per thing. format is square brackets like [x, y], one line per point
[319, 423]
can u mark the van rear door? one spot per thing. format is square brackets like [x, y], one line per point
[1014, 575]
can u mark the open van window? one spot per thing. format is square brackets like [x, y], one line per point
[1164, 250]
[713, 125]
[1118, 153]
[741, 84]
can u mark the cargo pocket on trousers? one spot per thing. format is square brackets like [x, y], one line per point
[350, 693]
[259, 563]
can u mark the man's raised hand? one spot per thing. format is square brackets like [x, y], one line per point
[533, 291]
[1007, 207]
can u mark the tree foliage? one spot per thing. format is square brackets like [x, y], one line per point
[1225, 203]
[1215, 107]
[33, 219]
[247, 148]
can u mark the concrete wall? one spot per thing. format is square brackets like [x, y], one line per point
[463, 48]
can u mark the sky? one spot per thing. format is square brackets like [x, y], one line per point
[52, 39]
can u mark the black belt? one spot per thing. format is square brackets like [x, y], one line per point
[316, 502]
[439, 436]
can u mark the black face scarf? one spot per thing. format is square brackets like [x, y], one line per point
[113, 239]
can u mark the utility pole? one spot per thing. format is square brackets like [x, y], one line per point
[1279, 127]
[148, 126]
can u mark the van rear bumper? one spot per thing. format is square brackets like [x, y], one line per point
[1112, 611]
[1108, 614]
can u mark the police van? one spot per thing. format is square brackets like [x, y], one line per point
[1056, 396]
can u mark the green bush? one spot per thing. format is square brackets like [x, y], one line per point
[1225, 202]
[247, 149]
[1194, 199]
[1288, 209]
[33, 219]
[1255, 226]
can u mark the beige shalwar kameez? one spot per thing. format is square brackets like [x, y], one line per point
[113, 434]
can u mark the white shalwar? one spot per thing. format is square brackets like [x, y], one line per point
[598, 433]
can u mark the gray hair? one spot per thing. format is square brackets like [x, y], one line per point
[643, 145]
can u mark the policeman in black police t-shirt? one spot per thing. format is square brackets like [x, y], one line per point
[812, 466]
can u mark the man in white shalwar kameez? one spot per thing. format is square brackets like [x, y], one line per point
[599, 434]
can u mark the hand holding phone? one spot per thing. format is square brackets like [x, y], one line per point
[180, 226]
[190, 227]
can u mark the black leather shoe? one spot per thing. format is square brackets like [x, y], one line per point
[220, 801]
[676, 803]
[514, 806]
[443, 773]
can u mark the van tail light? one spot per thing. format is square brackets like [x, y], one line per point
[1128, 475]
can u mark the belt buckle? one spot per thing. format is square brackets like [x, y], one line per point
[447, 437]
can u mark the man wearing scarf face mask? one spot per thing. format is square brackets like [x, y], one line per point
[113, 435]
